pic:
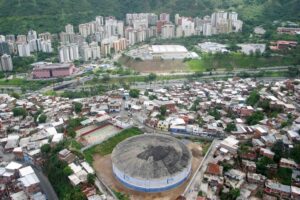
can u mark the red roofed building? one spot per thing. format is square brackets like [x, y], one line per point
[282, 44]
[214, 169]
[52, 70]
[288, 30]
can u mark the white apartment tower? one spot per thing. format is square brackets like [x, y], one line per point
[32, 35]
[207, 29]
[21, 38]
[68, 53]
[233, 16]
[6, 63]
[100, 20]
[46, 46]
[111, 26]
[164, 17]
[69, 28]
[86, 52]
[120, 28]
[24, 50]
[95, 50]
[167, 31]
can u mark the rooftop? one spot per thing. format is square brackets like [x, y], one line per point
[151, 156]
[25, 171]
[29, 180]
[168, 49]
[13, 166]
[53, 66]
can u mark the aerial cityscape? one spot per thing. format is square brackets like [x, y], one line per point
[149, 100]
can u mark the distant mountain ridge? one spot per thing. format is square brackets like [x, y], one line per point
[17, 16]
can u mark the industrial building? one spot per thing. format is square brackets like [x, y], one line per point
[212, 47]
[162, 52]
[151, 163]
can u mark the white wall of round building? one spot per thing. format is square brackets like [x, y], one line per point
[153, 185]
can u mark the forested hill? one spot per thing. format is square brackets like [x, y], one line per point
[17, 16]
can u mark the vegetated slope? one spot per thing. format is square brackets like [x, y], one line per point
[17, 16]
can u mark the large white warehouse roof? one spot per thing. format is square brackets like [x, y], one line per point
[157, 49]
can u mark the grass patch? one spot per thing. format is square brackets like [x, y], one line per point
[50, 93]
[205, 144]
[196, 65]
[25, 84]
[73, 144]
[237, 60]
[107, 146]
[205, 147]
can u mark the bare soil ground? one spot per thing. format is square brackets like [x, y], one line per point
[103, 167]
[155, 66]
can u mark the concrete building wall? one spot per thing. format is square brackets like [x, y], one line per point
[156, 185]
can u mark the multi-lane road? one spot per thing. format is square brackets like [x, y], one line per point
[206, 75]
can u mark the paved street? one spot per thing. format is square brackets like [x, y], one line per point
[45, 184]
[192, 189]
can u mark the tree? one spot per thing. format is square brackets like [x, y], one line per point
[91, 179]
[71, 133]
[284, 175]
[46, 148]
[19, 111]
[152, 97]
[255, 118]
[195, 105]
[77, 107]
[280, 151]
[2, 75]
[233, 47]
[253, 98]
[15, 95]
[117, 64]
[231, 195]
[152, 77]
[293, 72]
[134, 93]
[106, 78]
[295, 153]
[67, 171]
[215, 113]
[72, 125]
[262, 165]
[163, 110]
[42, 118]
[230, 127]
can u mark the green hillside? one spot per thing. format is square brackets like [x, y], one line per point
[17, 16]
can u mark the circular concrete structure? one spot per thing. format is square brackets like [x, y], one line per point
[151, 163]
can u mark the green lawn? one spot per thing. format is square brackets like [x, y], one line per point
[107, 146]
[27, 85]
[196, 65]
[236, 60]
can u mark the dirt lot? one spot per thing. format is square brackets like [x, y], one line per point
[103, 167]
[155, 66]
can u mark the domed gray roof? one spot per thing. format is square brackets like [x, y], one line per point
[151, 156]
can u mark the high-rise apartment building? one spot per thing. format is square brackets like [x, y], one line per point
[6, 63]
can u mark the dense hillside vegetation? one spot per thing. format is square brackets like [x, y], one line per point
[17, 16]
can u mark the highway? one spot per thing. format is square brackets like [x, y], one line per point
[206, 75]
